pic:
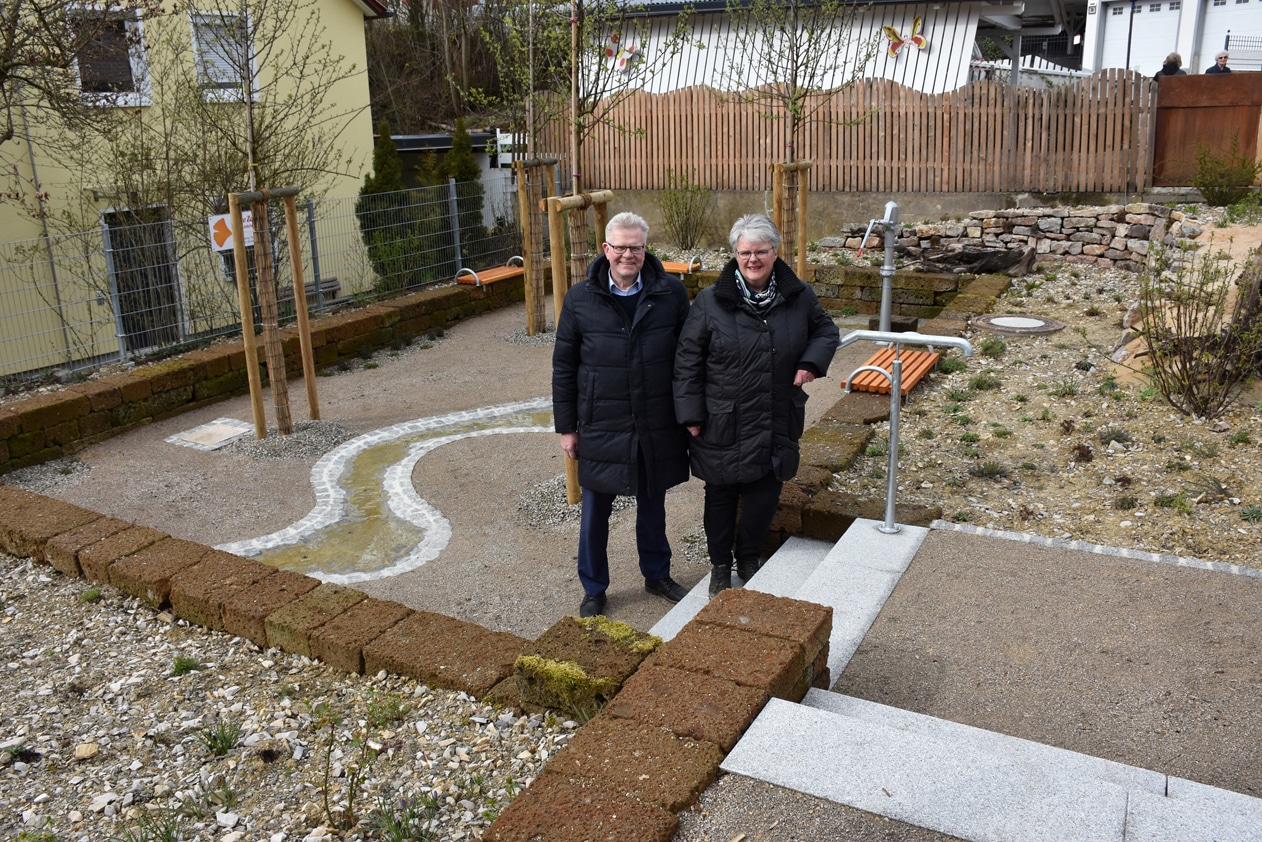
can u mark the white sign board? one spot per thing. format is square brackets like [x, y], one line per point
[221, 238]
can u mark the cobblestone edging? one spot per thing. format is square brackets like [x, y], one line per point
[650, 753]
[1109, 235]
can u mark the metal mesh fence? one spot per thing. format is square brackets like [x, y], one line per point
[144, 284]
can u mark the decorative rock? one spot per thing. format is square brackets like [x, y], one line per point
[86, 751]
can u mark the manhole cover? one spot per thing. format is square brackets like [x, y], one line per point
[1016, 325]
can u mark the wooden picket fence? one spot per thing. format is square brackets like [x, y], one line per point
[1095, 134]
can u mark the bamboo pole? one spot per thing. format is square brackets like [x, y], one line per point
[247, 317]
[300, 307]
[271, 331]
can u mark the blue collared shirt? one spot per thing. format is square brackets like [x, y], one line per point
[635, 287]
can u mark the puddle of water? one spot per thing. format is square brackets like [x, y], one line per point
[370, 521]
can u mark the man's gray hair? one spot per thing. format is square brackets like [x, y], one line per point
[627, 221]
[755, 228]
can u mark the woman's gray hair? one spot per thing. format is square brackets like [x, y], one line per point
[627, 221]
[1175, 59]
[755, 228]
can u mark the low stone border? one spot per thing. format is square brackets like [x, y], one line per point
[651, 752]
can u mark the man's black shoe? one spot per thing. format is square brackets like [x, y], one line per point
[592, 605]
[667, 588]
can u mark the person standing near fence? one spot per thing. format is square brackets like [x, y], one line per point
[612, 404]
[1219, 65]
[1172, 67]
[751, 342]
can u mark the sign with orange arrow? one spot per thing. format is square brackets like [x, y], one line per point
[221, 238]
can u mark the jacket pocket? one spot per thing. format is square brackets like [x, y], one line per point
[720, 423]
[797, 413]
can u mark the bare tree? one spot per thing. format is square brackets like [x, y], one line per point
[41, 44]
[789, 57]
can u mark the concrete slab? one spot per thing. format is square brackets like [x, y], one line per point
[978, 740]
[855, 578]
[1210, 813]
[925, 781]
[790, 566]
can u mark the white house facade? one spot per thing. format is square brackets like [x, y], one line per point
[1139, 35]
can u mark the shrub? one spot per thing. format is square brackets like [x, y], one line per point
[984, 382]
[1202, 345]
[687, 210]
[993, 347]
[1224, 177]
[950, 365]
[1114, 434]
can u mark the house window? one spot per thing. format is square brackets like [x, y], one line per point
[219, 43]
[1220, 2]
[1138, 10]
[112, 66]
[1155, 7]
[1117, 11]
[1175, 5]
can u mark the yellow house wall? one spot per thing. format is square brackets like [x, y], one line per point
[32, 335]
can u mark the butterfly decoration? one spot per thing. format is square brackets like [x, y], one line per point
[621, 56]
[897, 41]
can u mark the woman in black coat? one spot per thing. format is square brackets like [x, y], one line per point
[751, 341]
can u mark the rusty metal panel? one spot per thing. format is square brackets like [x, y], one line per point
[1207, 111]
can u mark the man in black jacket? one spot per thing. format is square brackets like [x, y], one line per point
[611, 398]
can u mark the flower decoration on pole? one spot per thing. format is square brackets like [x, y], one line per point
[897, 41]
[622, 56]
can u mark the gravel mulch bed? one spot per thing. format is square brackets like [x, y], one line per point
[121, 747]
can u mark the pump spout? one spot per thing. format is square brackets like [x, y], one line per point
[909, 338]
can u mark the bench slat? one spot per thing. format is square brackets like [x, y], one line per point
[916, 364]
[489, 276]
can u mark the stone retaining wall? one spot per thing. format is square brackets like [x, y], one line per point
[1111, 235]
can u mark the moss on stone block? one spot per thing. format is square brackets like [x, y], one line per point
[562, 685]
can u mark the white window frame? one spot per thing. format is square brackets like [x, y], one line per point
[142, 93]
[211, 92]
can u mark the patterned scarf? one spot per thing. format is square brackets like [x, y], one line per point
[759, 302]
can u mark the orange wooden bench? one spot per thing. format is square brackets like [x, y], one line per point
[489, 276]
[681, 268]
[916, 364]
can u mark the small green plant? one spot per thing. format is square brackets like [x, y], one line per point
[1158, 438]
[1029, 466]
[1251, 514]
[220, 738]
[91, 596]
[365, 352]
[874, 450]
[970, 438]
[1001, 432]
[386, 709]
[1066, 388]
[343, 365]
[371, 365]
[1224, 177]
[993, 347]
[1021, 398]
[343, 816]
[925, 433]
[153, 826]
[1125, 503]
[1093, 310]
[960, 517]
[1177, 466]
[1046, 415]
[1114, 434]
[962, 420]
[990, 469]
[185, 664]
[959, 395]
[404, 819]
[951, 408]
[955, 482]
[1179, 502]
[950, 365]
[845, 312]
[1240, 437]
[984, 382]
